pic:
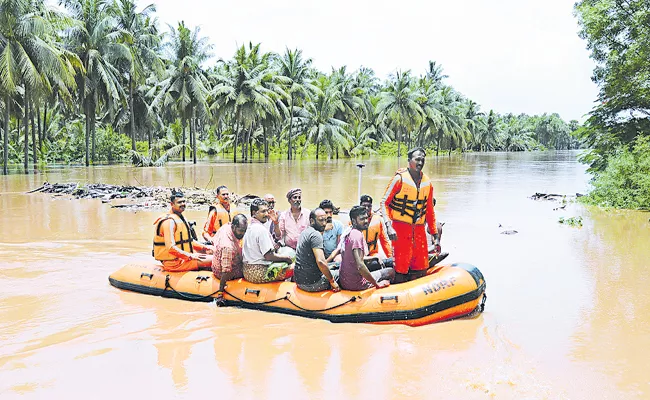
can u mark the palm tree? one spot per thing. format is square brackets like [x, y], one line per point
[140, 35]
[474, 119]
[29, 57]
[249, 89]
[435, 74]
[518, 135]
[148, 160]
[451, 125]
[377, 125]
[353, 97]
[399, 103]
[96, 41]
[430, 101]
[317, 118]
[490, 139]
[299, 86]
[186, 84]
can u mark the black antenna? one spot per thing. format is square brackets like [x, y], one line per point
[210, 181]
[136, 179]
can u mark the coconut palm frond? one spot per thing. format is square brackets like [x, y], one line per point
[173, 152]
[140, 160]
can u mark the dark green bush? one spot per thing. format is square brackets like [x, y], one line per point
[625, 183]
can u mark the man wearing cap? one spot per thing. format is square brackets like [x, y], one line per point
[292, 222]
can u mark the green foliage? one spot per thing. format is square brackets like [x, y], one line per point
[141, 160]
[625, 182]
[387, 149]
[619, 39]
[111, 146]
[102, 68]
[572, 221]
[66, 143]
[618, 127]
[142, 147]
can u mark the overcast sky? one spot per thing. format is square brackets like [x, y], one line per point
[507, 55]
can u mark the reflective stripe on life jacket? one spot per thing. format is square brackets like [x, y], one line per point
[182, 236]
[410, 204]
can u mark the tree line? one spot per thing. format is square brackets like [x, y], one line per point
[617, 131]
[99, 81]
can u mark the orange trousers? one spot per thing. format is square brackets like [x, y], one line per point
[410, 249]
[180, 265]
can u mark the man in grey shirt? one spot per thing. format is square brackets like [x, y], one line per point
[311, 271]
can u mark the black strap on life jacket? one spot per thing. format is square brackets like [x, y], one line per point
[413, 208]
[372, 244]
[183, 240]
[190, 231]
[211, 208]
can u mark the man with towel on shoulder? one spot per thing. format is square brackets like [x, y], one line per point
[292, 222]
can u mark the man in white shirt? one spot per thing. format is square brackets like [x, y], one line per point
[272, 221]
[260, 260]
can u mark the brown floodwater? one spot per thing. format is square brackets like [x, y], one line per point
[566, 316]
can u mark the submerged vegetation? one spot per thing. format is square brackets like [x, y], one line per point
[575, 222]
[625, 182]
[98, 81]
[618, 129]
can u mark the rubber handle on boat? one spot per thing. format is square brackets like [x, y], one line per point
[388, 298]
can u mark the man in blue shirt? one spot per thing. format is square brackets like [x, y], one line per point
[333, 229]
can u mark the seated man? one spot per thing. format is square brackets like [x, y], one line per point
[259, 249]
[375, 234]
[174, 241]
[227, 260]
[272, 222]
[354, 275]
[311, 273]
[218, 214]
[333, 229]
[292, 222]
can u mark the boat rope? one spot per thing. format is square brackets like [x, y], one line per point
[286, 297]
[193, 297]
[350, 300]
[253, 303]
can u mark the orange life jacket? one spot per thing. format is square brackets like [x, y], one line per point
[410, 204]
[182, 236]
[372, 234]
[222, 218]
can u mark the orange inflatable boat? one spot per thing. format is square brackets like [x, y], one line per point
[445, 293]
